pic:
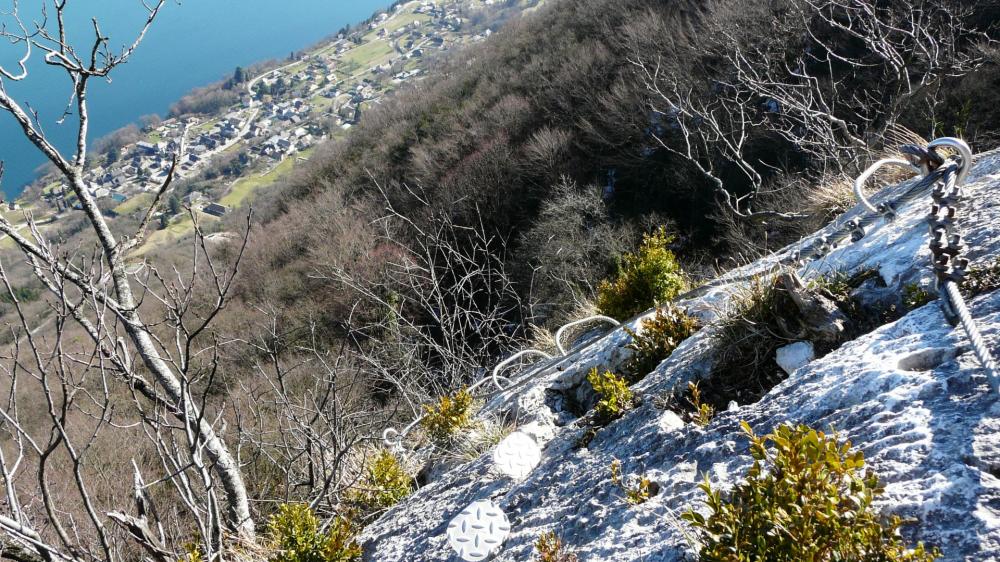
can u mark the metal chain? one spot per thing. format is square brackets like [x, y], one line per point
[946, 249]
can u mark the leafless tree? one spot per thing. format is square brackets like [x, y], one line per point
[447, 306]
[708, 131]
[854, 67]
[81, 385]
[160, 362]
[305, 420]
[907, 48]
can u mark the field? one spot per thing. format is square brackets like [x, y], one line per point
[320, 103]
[48, 188]
[369, 54]
[206, 126]
[180, 226]
[244, 188]
[406, 19]
[139, 202]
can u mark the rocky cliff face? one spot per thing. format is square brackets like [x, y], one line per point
[909, 394]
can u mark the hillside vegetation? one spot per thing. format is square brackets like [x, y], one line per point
[555, 145]
[581, 158]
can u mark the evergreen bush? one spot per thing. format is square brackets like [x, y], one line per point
[659, 336]
[450, 415]
[550, 549]
[615, 395]
[804, 500]
[386, 482]
[296, 537]
[645, 278]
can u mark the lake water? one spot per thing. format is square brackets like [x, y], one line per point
[192, 43]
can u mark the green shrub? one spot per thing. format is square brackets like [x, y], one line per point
[915, 296]
[982, 279]
[645, 278]
[703, 413]
[659, 336]
[192, 553]
[638, 490]
[550, 549]
[450, 415]
[805, 500]
[22, 294]
[386, 482]
[296, 537]
[615, 395]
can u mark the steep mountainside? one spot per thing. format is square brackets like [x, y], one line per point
[910, 395]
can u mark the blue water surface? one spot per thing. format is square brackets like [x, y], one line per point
[192, 43]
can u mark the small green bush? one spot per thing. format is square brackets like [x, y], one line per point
[915, 296]
[615, 395]
[22, 294]
[982, 279]
[192, 553]
[638, 489]
[296, 537]
[702, 413]
[804, 500]
[550, 549]
[645, 278]
[450, 415]
[658, 338]
[386, 482]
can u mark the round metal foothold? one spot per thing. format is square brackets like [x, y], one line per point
[517, 455]
[478, 530]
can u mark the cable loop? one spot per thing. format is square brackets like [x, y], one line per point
[859, 183]
[503, 365]
[964, 152]
[587, 320]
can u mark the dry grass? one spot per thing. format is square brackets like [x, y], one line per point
[821, 199]
[544, 339]
[749, 334]
[477, 440]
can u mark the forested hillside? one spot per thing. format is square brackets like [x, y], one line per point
[638, 160]
[554, 146]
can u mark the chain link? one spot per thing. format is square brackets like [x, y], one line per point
[946, 248]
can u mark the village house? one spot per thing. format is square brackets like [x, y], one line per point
[350, 114]
[193, 197]
[146, 147]
[215, 209]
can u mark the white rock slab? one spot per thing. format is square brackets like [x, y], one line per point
[793, 356]
[909, 395]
